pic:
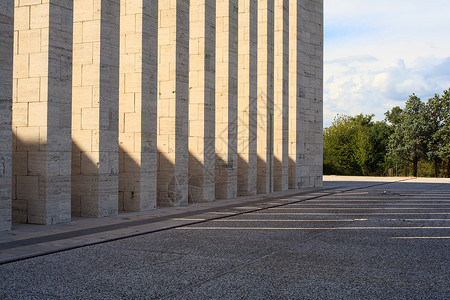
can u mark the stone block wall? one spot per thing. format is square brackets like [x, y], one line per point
[95, 106]
[173, 105]
[6, 80]
[305, 93]
[41, 124]
[202, 49]
[265, 94]
[134, 104]
[310, 125]
[226, 89]
[247, 97]
[137, 104]
[281, 96]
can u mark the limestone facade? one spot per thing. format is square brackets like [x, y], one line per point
[226, 98]
[305, 93]
[115, 105]
[202, 39]
[95, 108]
[281, 96]
[6, 80]
[138, 104]
[247, 96]
[173, 105]
[265, 94]
[42, 83]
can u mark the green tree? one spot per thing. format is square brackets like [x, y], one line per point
[409, 139]
[355, 146]
[394, 116]
[434, 120]
[338, 142]
[380, 134]
[442, 135]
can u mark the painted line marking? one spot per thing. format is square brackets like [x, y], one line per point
[366, 204]
[420, 237]
[247, 207]
[308, 228]
[418, 219]
[376, 201]
[382, 208]
[187, 219]
[254, 220]
[348, 214]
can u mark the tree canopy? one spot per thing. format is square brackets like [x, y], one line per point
[409, 139]
[355, 145]
[419, 132]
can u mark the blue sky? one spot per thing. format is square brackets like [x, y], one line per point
[378, 52]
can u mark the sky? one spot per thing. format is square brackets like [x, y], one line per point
[378, 52]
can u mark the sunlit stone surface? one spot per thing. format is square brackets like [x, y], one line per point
[6, 75]
[137, 104]
[95, 103]
[226, 98]
[41, 111]
[134, 104]
[305, 93]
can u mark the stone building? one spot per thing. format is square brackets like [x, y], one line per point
[127, 105]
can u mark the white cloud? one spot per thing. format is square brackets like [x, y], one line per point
[379, 52]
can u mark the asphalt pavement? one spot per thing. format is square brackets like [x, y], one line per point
[355, 238]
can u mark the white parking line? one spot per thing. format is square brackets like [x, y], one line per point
[383, 208]
[307, 228]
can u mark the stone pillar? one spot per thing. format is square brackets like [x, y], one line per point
[265, 96]
[313, 83]
[6, 83]
[173, 90]
[305, 93]
[281, 96]
[137, 104]
[41, 106]
[226, 98]
[296, 138]
[202, 37]
[247, 96]
[95, 102]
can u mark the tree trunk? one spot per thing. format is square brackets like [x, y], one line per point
[448, 168]
[436, 167]
[415, 162]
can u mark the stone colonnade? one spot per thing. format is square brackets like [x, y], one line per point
[126, 105]
[6, 79]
